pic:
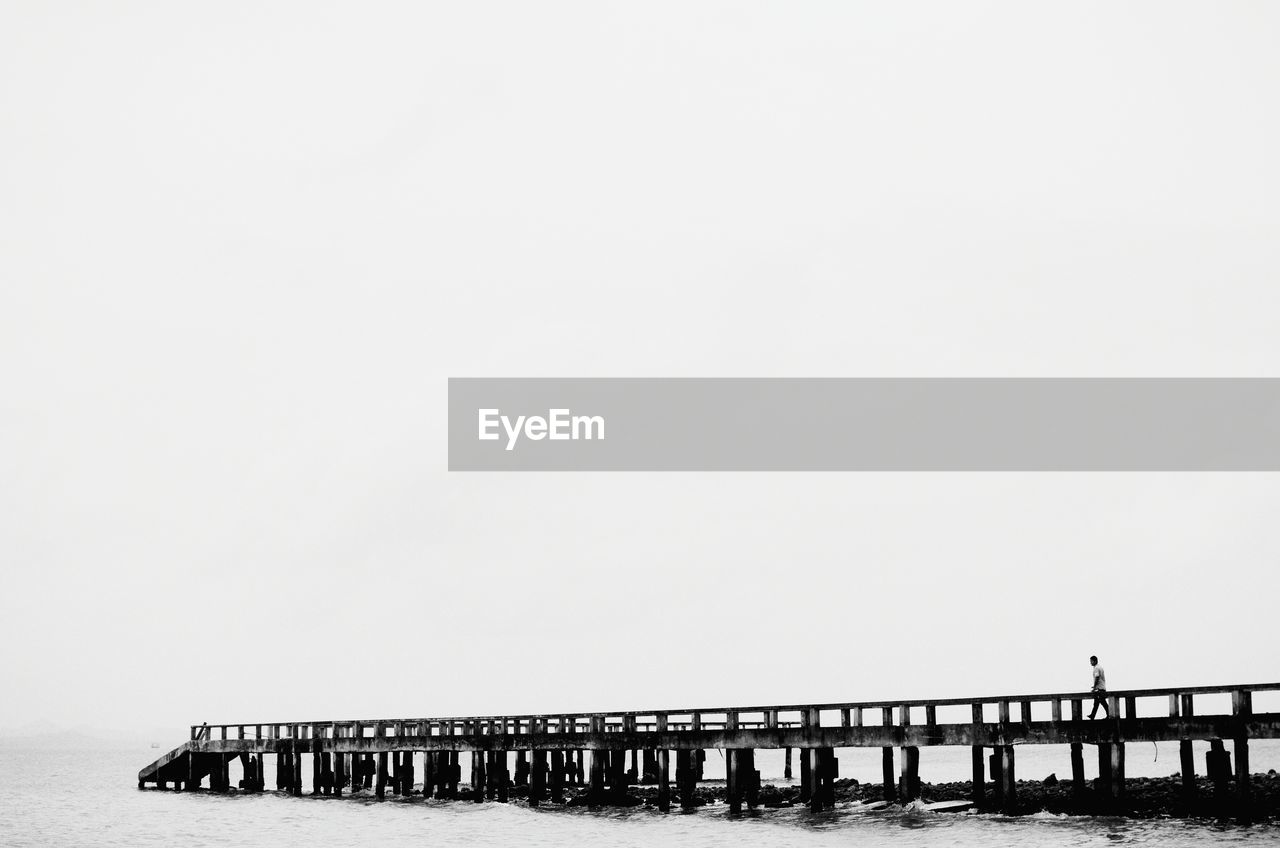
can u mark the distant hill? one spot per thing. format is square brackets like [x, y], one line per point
[48, 737]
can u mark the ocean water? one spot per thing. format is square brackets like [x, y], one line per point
[65, 798]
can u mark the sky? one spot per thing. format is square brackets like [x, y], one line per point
[243, 246]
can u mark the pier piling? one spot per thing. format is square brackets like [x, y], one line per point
[595, 792]
[664, 786]
[477, 776]
[557, 775]
[909, 784]
[1242, 709]
[1008, 794]
[978, 769]
[1105, 784]
[538, 778]
[886, 773]
[733, 780]
[686, 778]
[1077, 770]
[995, 762]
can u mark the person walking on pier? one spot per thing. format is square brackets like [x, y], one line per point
[1099, 689]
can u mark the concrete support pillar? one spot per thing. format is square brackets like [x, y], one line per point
[806, 775]
[380, 785]
[595, 793]
[620, 777]
[450, 774]
[538, 778]
[996, 764]
[1242, 710]
[886, 771]
[339, 773]
[326, 773]
[1188, 761]
[823, 769]
[686, 778]
[978, 778]
[786, 768]
[909, 784]
[1218, 767]
[502, 776]
[557, 775]
[1077, 770]
[649, 767]
[522, 768]
[664, 786]
[819, 780]
[478, 775]
[429, 770]
[580, 768]
[1106, 786]
[1009, 793]
[733, 781]
[1244, 790]
[1117, 770]
[315, 773]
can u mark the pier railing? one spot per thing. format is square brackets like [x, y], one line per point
[1004, 710]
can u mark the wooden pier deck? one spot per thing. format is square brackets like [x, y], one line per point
[554, 753]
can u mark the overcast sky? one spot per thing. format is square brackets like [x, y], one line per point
[243, 246]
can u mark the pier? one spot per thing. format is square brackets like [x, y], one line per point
[602, 754]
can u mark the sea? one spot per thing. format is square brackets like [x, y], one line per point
[90, 798]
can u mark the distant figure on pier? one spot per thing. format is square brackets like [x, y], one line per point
[1099, 689]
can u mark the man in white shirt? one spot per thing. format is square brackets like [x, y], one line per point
[1099, 689]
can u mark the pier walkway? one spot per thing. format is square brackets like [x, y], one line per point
[556, 752]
